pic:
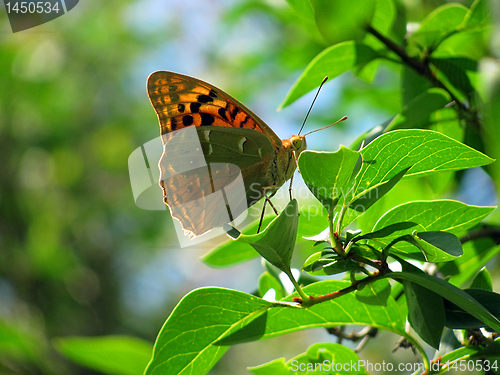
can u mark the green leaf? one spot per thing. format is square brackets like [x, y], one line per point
[267, 282]
[387, 231]
[456, 73]
[425, 313]
[284, 320]
[276, 243]
[327, 174]
[426, 151]
[414, 85]
[331, 62]
[466, 353]
[448, 291]
[417, 113]
[185, 344]
[438, 24]
[366, 200]
[326, 263]
[232, 252]
[339, 21]
[457, 318]
[438, 215]
[115, 355]
[229, 253]
[320, 359]
[482, 280]
[384, 20]
[438, 246]
[477, 253]
[376, 293]
[479, 15]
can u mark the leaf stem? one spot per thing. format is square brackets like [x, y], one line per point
[303, 296]
[313, 300]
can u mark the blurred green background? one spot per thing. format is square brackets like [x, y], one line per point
[77, 256]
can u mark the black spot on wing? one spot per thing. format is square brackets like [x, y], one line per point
[222, 113]
[181, 107]
[195, 107]
[202, 98]
[187, 120]
[234, 112]
[206, 119]
[242, 124]
[173, 123]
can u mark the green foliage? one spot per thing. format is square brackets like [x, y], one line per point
[112, 355]
[319, 359]
[386, 216]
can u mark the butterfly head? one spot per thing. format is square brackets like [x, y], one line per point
[298, 143]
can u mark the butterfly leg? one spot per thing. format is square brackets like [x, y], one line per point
[268, 198]
[262, 216]
[290, 188]
[294, 155]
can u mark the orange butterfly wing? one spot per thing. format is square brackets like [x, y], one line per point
[232, 138]
[182, 101]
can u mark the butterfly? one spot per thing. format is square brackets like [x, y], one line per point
[219, 158]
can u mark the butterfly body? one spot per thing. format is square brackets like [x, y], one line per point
[235, 143]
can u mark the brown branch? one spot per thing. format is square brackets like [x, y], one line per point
[418, 66]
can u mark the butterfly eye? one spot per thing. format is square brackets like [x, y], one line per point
[298, 143]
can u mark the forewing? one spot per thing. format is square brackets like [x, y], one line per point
[182, 101]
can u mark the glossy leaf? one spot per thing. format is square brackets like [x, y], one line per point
[185, 344]
[327, 174]
[276, 243]
[376, 293]
[284, 320]
[448, 291]
[438, 215]
[365, 201]
[232, 252]
[114, 355]
[331, 62]
[482, 280]
[387, 231]
[426, 151]
[457, 318]
[425, 312]
[438, 246]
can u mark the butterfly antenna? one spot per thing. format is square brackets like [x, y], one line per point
[310, 108]
[336, 122]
